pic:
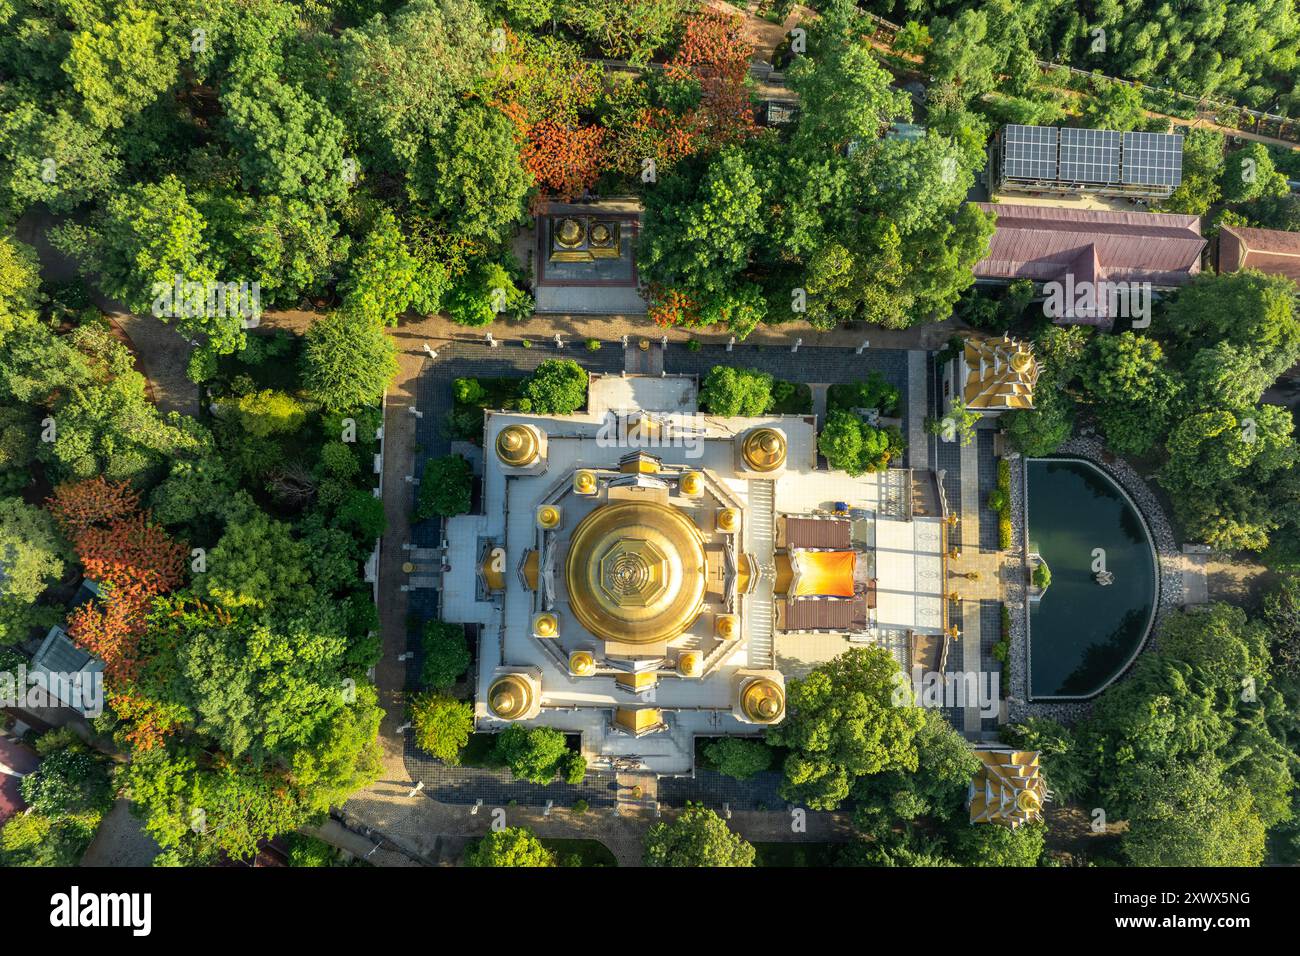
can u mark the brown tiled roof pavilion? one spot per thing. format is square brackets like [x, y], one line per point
[1043, 243]
[1268, 250]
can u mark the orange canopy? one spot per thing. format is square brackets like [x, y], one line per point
[826, 573]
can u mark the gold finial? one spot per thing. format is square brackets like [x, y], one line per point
[584, 482]
[546, 625]
[728, 520]
[726, 626]
[692, 483]
[548, 516]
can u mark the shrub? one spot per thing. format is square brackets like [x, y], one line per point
[573, 768]
[269, 412]
[202, 366]
[581, 806]
[555, 387]
[513, 846]
[737, 391]
[446, 488]
[469, 391]
[446, 654]
[1042, 576]
[694, 345]
[593, 345]
[338, 460]
[739, 758]
[305, 850]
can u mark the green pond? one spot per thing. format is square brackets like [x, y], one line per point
[1083, 634]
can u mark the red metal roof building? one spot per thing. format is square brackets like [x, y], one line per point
[1271, 251]
[1044, 243]
[16, 761]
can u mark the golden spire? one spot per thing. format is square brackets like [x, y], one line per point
[546, 625]
[548, 516]
[728, 520]
[763, 701]
[691, 483]
[584, 482]
[582, 663]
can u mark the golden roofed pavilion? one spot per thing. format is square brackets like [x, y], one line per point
[1008, 789]
[997, 375]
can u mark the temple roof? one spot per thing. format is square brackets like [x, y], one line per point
[1008, 789]
[1000, 374]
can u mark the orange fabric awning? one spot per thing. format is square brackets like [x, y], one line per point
[826, 573]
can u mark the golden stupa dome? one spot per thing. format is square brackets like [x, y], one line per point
[691, 483]
[570, 232]
[546, 625]
[763, 701]
[690, 664]
[764, 449]
[584, 482]
[728, 519]
[548, 516]
[635, 572]
[517, 446]
[510, 697]
[582, 663]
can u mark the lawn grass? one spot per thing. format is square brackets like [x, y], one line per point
[581, 852]
[796, 854]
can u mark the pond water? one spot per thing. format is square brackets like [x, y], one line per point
[1083, 634]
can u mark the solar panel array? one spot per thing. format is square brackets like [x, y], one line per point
[1029, 152]
[1090, 155]
[1093, 156]
[1153, 159]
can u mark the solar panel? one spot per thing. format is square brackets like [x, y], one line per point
[1029, 152]
[1153, 159]
[1090, 155]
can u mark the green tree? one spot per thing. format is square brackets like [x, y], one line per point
[1249, 174]
[844, 722]
[1126, 376]
[534, 754]
[386, 278]
[442, 726]
[122, 66]
[289, 143]
[348, 361]
[513, 846]
[1194, 818]
[993, 845]
[255, 563]
[32, 555]
[698, 837]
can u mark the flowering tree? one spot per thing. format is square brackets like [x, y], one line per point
[79, 505]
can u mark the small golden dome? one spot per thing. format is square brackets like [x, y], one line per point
[548, 516]
[584, 482]
[582, 663]
[728, 520]
[600, 233]
[517, 446]
[546, 625]
[764, 449]
[510, 697]
[689, 664]
[692, 483]
[1027, 801]
[726, 625]
[570, 232]
[763, 701]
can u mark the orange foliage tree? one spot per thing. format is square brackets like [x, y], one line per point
[79, 505]
[564, 160]
[714, 54]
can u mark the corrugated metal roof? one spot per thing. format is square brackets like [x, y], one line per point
[1269, 250]
[1043, 243]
